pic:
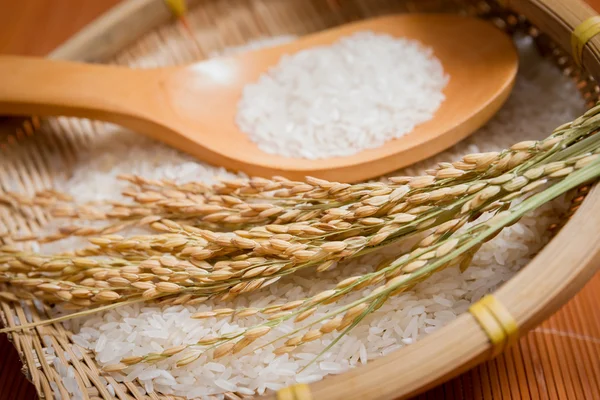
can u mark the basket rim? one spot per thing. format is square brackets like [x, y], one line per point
[548, 281]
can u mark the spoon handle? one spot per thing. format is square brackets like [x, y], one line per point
[38, 86]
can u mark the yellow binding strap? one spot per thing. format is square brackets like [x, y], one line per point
[285, 394]
[300, 391]
[496, 322]
[509, 325]
[177, 7]
[581, 35]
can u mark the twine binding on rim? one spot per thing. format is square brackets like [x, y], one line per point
[177, 7]
[583, 34]
[497, 322]
[300, 391]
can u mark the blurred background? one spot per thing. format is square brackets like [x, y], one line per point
[35, 27]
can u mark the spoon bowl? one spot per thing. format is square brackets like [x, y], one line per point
[193, 107]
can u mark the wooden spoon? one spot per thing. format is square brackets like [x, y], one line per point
[193, 107]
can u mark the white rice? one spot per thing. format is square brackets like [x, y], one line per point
[542, 100]
[338, 100]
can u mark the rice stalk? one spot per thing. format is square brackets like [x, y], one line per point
[344, 318]
[315, 204]
[240, 236]
[207, 263]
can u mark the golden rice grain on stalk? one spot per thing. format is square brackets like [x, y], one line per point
[334, 247]
[419, 210]
[49, 287]
[499, 180]
[421, 182]
[553, 167]
[377, 291]
[449, 173]
[534, 185]
[278, 244]
[172, 351]
[223, 350]
[464, 166]
[304, 255]
[418, 198]
[413, 266]
[132, 360]
[525, 145]
[510, 197]
[305, 314]
[516, 183]
[312, 335]
[188, 359]
[118, 281]
[272, 309]
[57, 265]
[247, 312]
[243, 243]
[585, 161]
[167, 287]
[519, 158]
[480, 158]
[348, 282]
[115, 367]
[81, 293]
[197, 300]
[446, 248]
[33, 261]
[401, 180]
[254, 272]
[293, 341]
[355, 311]
[208, 340]
[183, 299]
[272, 269]
[476, 187]
[143, 285]
[427, 256]
[64, 295]
[241, 345]
[283, 350]
[107, 295]
[331, 325]
[150, 294]
[279, 315]
[255, 333]
[220, 275]
[291, 305]
[549, 143]
[561, 172]
[534, 173]
[426, 223]
[7, 296]
[253, 285]
[398, 280]
[446, 226]
[376, 279]
[365, 211]
[220, 312]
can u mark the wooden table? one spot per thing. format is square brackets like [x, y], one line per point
[558, 360]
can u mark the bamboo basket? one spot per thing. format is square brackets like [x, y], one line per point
[549, 280]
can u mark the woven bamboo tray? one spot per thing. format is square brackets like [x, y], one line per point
[554, 276]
